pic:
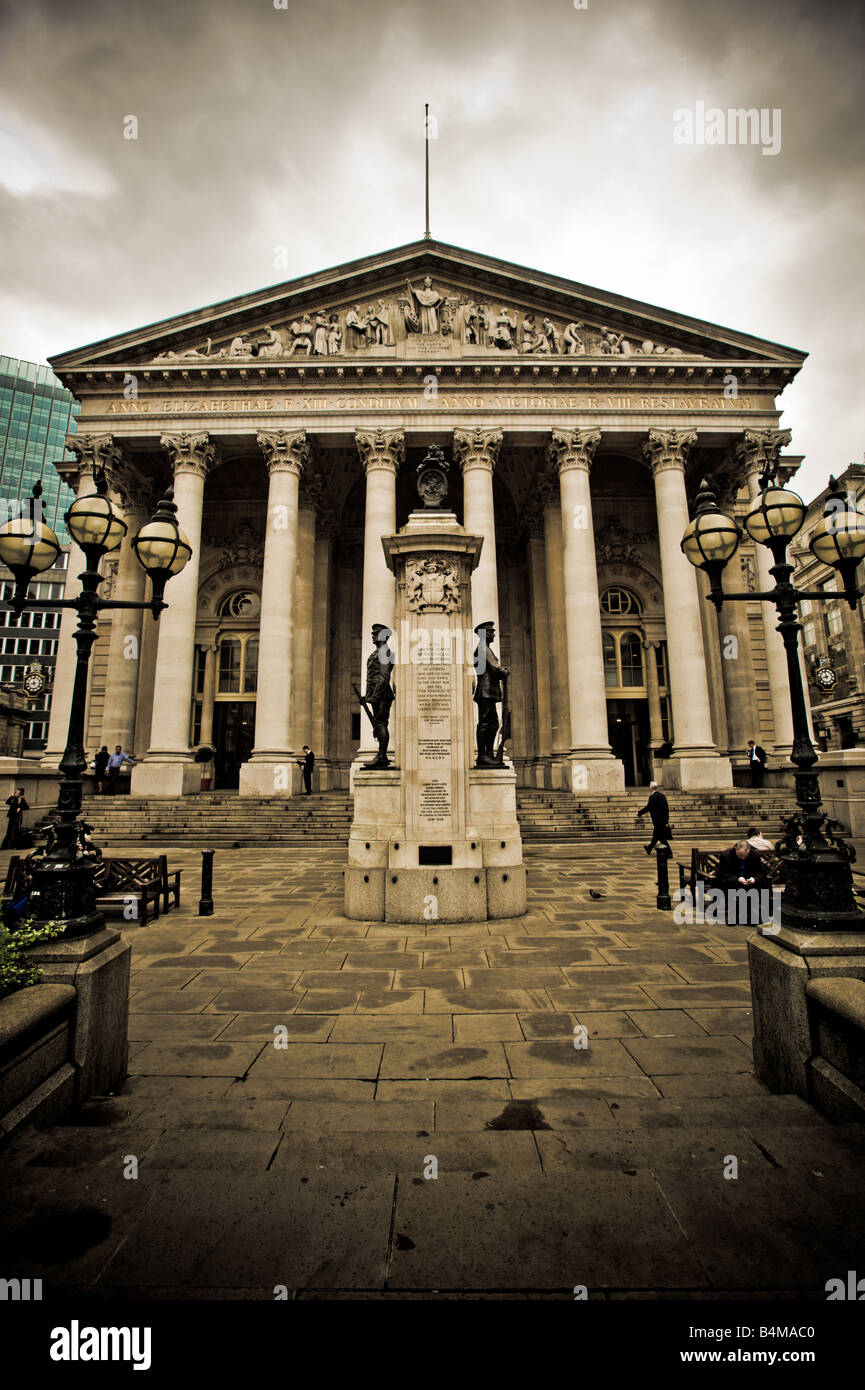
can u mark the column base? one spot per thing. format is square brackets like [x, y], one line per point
[698, 772]
[166, 777]
[593, 770]
[270, 775]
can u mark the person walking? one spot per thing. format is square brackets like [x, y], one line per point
[14, 816]
[100, 763]
[659, 812]
[756, 762]
[115, 763]
[308, 764]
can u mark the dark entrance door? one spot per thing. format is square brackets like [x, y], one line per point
[628, 729]
[234, 736]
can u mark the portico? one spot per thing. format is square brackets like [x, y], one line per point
[575, 468]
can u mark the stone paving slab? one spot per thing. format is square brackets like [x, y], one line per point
[556, 1165]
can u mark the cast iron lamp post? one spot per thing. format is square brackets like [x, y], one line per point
[63, 885]
[818, 893]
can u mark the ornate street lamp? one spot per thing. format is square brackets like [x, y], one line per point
[818, 894]
[62, 876]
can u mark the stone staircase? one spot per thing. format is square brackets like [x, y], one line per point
[223, 819]
[557, 815]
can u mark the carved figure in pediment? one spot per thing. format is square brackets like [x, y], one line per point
[465, 321]
[411, 322]
[171, 356]
[550, 335]
[575, 347]
[319, 337]
[356, 328]
[502, 330]
[378, 323]
[301, 331]
[334, 336]
[427, 301]
[449, 313]
[240, 347]
[610, 342]
[529, 336]
[272, 346]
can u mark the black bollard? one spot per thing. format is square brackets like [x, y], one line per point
[205, 902]
[664, 855]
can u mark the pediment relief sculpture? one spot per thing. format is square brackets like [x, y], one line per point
[431, 311]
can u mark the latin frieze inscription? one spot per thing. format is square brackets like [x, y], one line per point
[440, 401]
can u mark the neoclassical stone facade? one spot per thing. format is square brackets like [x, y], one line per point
[291, 423]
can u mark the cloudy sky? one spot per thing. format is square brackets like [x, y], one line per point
[302, 127]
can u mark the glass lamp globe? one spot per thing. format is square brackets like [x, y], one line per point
[712, 537]
[777, 515]
[28, 546]
[839, 537]
[161, 547]
[91, 520]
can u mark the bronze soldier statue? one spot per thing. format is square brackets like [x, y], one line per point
[379, 694]
[488, 692]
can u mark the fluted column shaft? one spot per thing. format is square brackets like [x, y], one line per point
[476, 452]
[285, 455]
[208, 694]
[592, 763]
[557, 651]
[321, 639]
[540, 637]
[696, 762]
[381, 452]
[303, 620]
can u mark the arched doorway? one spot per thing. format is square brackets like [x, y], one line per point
[226, 683]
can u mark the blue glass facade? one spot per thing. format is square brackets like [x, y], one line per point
[36, 414]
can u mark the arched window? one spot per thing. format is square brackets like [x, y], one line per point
[617, 601]
[243, 603]
[631, 652]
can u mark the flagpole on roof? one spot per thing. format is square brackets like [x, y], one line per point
[426, 144]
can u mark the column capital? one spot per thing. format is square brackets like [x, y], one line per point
[284, 452]
[91, 451]
[381, 449]
[667, 449]
[190, 453]
[569, 449]
[757, 451]
[477, 448]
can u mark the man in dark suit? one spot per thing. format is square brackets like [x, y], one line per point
[756, 762]
[488, 692]
[308, 765]
[659, 811]
[741, 867]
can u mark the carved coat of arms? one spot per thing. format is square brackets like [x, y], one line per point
[432, 585]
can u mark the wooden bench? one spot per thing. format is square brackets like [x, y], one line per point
[704, 869]
[147, 882]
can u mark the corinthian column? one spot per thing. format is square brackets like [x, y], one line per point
[168, 769]
[593, 767]
[381, 453]
[476, 451]
[271, 769]
[758, 450]
[695, 762]
[91, 452]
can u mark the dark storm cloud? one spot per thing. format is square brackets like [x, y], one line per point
[261, 128]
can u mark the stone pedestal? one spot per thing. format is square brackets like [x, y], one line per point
[434, 839]
[782, 963]
[166, 776]
[98, 967]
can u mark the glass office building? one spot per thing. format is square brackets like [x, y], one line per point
[36, 414]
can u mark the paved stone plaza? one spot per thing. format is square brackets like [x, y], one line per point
[304, 1165]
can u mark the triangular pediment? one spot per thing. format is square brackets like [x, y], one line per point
[422, 301]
